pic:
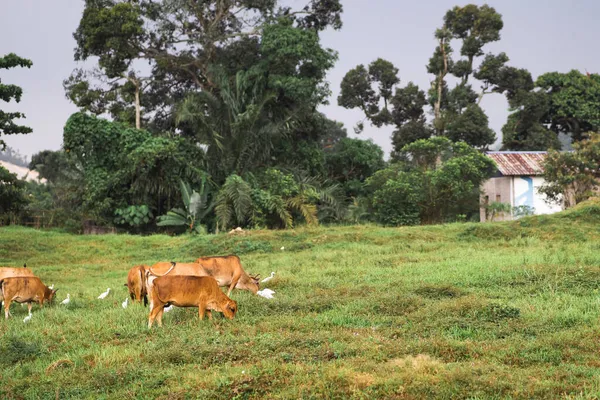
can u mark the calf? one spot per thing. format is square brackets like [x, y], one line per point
[136, 283]
[25, 289]
[189, 291]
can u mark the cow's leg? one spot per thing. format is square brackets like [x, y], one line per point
[209, 313]
[6, 308]
[29, 305]
[160, 314]
[201, 309]
[138, 294]
[152, 315]
[234, 281]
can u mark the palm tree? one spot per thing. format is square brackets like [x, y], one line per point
[238, 201]
[238, 125]
[197, 207]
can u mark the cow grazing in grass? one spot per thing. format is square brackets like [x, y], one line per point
[25, 289]
[136, 283]
[189, 291]
[228, 271]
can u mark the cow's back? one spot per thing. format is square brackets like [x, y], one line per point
[185, 287]
[9, 272]
[23, 285]
[221, 266]
[190, 269]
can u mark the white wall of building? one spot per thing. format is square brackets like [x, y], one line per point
[525, 192]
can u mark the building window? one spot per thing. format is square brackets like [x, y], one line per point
[498, 198]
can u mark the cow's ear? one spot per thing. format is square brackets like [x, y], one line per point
[54, 291]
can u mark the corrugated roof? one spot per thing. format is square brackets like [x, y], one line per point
[519, 162]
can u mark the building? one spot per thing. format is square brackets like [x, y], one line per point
[516, 182]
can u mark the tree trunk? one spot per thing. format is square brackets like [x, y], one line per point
[440, 87]
[138, 122]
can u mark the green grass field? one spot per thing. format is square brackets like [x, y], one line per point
[505, 310]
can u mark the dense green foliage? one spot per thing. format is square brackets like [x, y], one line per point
[12, 196]
[197, 205]
[8, 93]
[503, 310]
[437, 181]
[231, 96]
[566, 103]
[572, 177]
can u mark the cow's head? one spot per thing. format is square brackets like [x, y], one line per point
[230, 309]
[49, 294]
[254, 283]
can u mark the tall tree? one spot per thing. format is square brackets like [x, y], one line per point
[374, 91]
[8, 93]
[456, 112]
[572, 177]
[567, 103]
[181, 41]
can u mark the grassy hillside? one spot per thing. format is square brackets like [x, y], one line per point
[503, 310]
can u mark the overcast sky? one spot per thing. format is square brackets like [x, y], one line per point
[542, 36]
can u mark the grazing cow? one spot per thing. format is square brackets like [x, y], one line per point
[189, 291]
[228, 271]
[25, 289]
[136, 283]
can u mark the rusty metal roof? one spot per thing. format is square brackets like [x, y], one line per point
[518, 162]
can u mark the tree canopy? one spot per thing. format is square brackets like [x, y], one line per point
[9, 93]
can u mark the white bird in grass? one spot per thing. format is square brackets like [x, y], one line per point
[266, 293]
[51, 286]
[167, 309]
[124, 304]
[268, 278]
[67, 300]
[282, 248]
[27, 318]
[103, 295]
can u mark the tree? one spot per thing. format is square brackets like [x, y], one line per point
[196, 207]
[12, 196]
[181, 41]
[457, 109]
[572, 177]
[352, 161]
[51, 165]
[437, 181]
[565, 103]
[12, 92]
[402, 107]
[122, 166]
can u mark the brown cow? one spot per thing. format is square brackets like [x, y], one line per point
[189, 291]
[227, 270]
[136, 283]
[25, 289]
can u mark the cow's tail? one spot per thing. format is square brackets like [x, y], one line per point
[149, 286]
[143, 289]
[157, 275]
[1, 292]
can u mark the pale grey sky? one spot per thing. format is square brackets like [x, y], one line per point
[542, 36]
